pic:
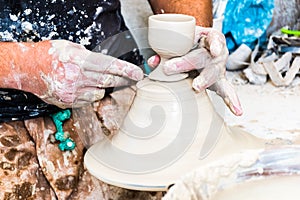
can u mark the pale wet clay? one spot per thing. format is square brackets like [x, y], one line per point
[180, 29]
[210, 130]
[171, 123]
[275, 188]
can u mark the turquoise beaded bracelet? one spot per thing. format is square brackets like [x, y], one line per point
[66, 143]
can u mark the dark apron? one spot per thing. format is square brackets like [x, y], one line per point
[97, 24]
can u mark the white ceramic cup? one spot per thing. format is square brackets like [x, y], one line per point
[170, 35]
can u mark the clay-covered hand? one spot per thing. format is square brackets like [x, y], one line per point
[68, 75]
[209, 58]
[79, 76]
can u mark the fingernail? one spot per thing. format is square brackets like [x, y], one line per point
[215, 49]
[153, 61]
[238, 111]
[199, 84]
[137, 74]
[170, 67]
[175, 65]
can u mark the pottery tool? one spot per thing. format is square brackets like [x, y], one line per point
[290, 32]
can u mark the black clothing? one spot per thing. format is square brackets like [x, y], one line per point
[75, 20]
[92, 23]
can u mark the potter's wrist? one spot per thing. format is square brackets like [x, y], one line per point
[201, 10]
[21, 64]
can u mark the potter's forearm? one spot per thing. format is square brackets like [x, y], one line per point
[200, 9]
[21, 65]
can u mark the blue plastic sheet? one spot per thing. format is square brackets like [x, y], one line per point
[245, 21]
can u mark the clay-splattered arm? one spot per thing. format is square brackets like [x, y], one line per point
[20, 67]
[61, 72]
[200, 9]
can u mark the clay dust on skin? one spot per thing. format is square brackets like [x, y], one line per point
[23, 47]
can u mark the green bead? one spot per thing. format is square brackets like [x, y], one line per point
[59, 117]
[67, 145]
[65, 142]
[60, 136]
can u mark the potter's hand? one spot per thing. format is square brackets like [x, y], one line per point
[210, 57]
[77, 76]
[68, 75]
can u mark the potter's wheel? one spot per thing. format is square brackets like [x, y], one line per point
[144, 157]
[256, 174]
[170, 129]
[189, 134]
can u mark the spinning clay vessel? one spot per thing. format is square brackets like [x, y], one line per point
[170, 129]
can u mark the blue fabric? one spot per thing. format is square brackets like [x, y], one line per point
[245, 21]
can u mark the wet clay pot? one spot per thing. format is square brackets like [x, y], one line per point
[170, 35]
[169, 130]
